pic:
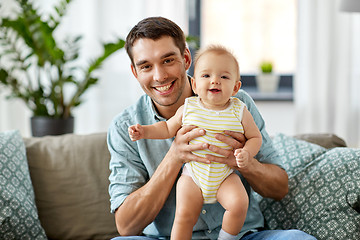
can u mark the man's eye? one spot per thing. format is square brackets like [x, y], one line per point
[168, 60]
[145, 67]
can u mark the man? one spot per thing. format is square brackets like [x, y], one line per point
[144, 173]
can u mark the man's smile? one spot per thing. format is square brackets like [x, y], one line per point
[164, 88]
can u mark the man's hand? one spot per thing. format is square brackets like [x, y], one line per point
[233, 139]
[136, 132]
[182, 150]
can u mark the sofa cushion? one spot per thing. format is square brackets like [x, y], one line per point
[70, 177]
[296, 154]
[322, 192]
[18, 213]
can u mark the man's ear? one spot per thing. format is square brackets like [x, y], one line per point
[236, 87]
[133, 70]
[193, 85]
[187, 58]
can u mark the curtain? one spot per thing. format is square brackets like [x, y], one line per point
[327, 83]
[97, 21]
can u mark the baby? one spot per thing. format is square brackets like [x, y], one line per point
[215, 109]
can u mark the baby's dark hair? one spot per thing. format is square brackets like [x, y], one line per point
[154, 28]
[218, 49]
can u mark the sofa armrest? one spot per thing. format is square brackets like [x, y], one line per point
[326, 140]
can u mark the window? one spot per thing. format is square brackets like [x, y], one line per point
[255, 30]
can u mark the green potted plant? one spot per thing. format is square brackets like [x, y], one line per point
[37, 68]
[266, 81]
[266, 67]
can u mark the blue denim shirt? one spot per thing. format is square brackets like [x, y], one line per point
[133, 163]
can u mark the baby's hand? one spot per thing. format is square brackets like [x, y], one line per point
[136, 132]
[242, 157]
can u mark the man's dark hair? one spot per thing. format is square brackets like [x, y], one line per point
[154, 28]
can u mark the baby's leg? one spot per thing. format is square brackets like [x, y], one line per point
[233, 197]
[189, 202]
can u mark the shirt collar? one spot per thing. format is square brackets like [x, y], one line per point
[156, 115]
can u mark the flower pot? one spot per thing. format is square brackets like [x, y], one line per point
[42, 126]
[267, 82]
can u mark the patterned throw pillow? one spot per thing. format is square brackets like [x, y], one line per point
[321, 193]
[296, 154]
[18, 213]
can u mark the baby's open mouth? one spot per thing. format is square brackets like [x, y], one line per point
[214, 90]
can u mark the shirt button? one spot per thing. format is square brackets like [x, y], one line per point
[203, 211]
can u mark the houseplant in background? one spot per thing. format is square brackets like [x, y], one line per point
[267, 81]
[43, 72]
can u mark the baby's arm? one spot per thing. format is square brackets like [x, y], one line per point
[136, 132]
[159, 130]
[253, 136]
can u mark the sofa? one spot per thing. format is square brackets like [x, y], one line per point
[55, 187]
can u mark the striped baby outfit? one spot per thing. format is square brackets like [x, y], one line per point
[209, 176]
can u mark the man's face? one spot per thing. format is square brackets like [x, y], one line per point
[160, 69]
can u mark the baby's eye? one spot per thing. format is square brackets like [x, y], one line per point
[224, 77]
[205, 75]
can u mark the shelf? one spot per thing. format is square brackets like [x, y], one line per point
[284, 92]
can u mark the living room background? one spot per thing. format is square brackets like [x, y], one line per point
[327, 76]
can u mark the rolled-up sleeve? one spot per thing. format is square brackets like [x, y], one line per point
[127, 172]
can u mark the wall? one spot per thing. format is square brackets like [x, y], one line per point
[279, 116]
[98, 21]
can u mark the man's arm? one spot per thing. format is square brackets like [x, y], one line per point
[142, 206]
[269, 180]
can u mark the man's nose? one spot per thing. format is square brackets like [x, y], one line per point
[160, 73]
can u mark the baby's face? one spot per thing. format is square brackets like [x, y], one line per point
[216, 80]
